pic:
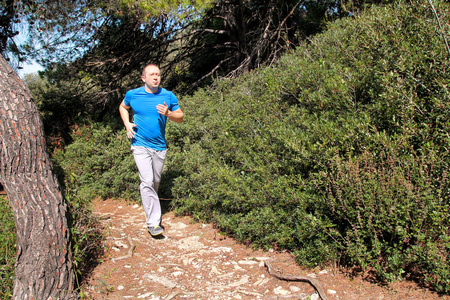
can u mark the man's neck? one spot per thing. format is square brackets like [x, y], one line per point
[152, 90]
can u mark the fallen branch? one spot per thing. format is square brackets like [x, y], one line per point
[130, 251]
[315, 283]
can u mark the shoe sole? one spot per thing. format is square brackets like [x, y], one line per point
[155, 234]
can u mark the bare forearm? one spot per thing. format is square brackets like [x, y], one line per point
[176, 116]
[124, 114]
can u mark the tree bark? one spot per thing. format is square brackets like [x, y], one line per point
[43, 268]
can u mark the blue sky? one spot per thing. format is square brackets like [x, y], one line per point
[29, 68]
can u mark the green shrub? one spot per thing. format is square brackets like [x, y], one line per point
[87, 238]
[98, 164]
[391, 212]
[340, 152]
[7, 249]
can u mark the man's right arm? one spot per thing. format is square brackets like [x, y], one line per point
[125, 115]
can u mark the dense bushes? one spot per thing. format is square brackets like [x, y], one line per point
[98, 164]
[338, 154]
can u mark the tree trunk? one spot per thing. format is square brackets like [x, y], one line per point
[43, 267]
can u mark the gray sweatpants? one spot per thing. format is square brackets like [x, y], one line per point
[150, 164]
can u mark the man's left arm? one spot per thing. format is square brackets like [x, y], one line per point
[176, 115]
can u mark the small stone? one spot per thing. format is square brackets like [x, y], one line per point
[242, 281]
[280, 291]
[247, 262]
[314, 297]
[295, 289]
[160, 279]
[178, 226]
[222, 249]
[120, 287]
[214, 270]
[262, 281]
[331, 292]
[143, 296]
[190, 243]
[226, 275]
[121, 244]
[249, 293]
[238, 268]
[323, 272]
[263, 258]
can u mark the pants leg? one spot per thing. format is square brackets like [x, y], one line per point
[150, 164]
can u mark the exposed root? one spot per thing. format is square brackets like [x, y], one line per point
[314, 282]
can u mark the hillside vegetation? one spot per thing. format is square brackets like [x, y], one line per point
[7, 249]
[338, 154]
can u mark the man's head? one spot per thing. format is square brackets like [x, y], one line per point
[151, 76]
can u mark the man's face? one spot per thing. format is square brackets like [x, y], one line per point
[152, 77]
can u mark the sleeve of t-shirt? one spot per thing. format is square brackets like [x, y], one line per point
[173, 102]
[126, 100]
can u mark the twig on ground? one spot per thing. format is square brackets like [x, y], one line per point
[130, 251]
[314, 282]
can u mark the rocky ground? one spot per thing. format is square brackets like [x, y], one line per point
[194, 261]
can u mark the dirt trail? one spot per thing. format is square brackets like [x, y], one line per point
[193, 261]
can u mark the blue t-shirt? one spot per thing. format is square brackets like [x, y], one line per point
[150, 131]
